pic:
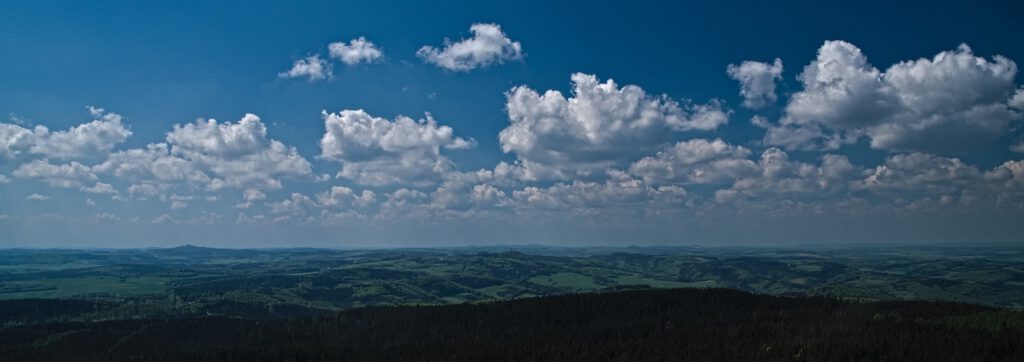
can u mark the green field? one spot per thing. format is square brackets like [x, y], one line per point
[191, 280]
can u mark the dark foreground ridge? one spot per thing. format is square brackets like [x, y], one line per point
[688, 324]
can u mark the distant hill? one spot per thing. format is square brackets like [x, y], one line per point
[202, 252]
[635, 325]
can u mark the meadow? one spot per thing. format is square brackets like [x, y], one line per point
[189, 280]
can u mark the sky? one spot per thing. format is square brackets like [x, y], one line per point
[380, 124]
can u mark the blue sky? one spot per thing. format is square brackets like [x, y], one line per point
[879, 123]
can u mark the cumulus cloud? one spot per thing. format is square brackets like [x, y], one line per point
[356, 51]
[16, 140]
[340, 196]
[619, 191]
[950, 103]
[598, 126]
[484, 193]
[249, 196]
[806, 137]
[37, 197]
[921, 173]
[238, 154]
[145, 190]
[601, 148]
[400, 199]
[68, 175]
[106, 217]
[212, 154]
[778, 176]
[489, 45]
[760, 121]
[297, 203]
[87, 140]
[222, 140]
[464, 194]
[1018, 100]
[1010, 174]
[312, 67]
[697, 161]
[376, 151]
[253, 195]
[100, 188]
[757, 81]
[155, 163]
[164, 219]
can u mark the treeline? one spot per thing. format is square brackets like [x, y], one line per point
[639, 325]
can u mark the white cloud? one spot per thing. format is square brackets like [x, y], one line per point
[94, 138]
[15, 140]
[227, 140]
[297, 203]
[1018, 100]
[1010, 173]
[599, 126]
[100, 188]
[311, 67]
[489, 45]
[1008, 184]
[950, 103]
[176, 197]
[760, 121]
[365, 198]
[841, 88]
[238, 154]
[69, 175]
[253, 195]
[620, 191]
[376, 151]
[87, 140]
[357, 51]
[4, 179]
[806, 137]
[757, 81]
[399, 200]
[484, 194]
[339, 196]
[106, 217]
[696, 161]
[176, 205]
[37, 197]
[461, 192]
[1018, 148]
[921, 173]
[154, 163]
[213, 155]
[164, 219]
[249, 196]
[145, 190]
[779, 177]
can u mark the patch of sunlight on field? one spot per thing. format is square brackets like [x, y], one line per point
[655, 283]
[69, 287]
[571, 281]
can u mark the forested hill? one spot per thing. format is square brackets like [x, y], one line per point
[674, 324]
